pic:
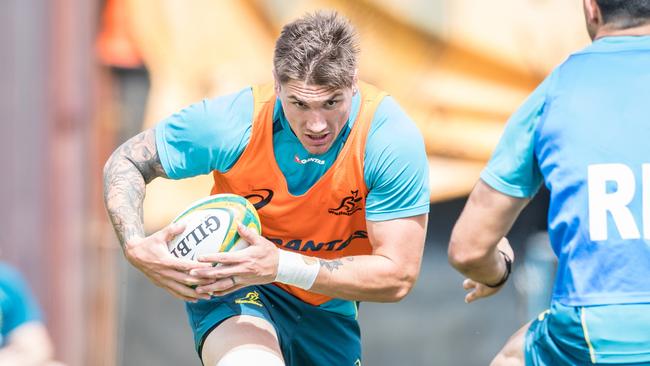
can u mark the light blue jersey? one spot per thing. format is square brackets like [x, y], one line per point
[584, 134]
[17, 304]
[585, 130]
[212, 135]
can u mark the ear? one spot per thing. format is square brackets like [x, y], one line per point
[593, 17]
[355, 80]
[592, 11]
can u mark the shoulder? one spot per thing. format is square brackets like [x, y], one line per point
[234, 106]
[393, 132]
[205, 136]
[396, 168]
[235, 102]
[513, 168]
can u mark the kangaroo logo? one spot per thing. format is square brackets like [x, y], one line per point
[348, 206]
[251, 298]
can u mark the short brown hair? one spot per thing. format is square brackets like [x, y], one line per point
[319, 48]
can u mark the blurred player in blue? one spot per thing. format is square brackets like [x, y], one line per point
[23, 338]
[585, 134]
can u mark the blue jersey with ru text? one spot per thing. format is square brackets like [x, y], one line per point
[585, 134]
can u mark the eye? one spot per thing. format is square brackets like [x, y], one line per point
[300, 105]
[331, 103]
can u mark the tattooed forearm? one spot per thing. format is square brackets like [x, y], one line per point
[127, 171]
[331, 265]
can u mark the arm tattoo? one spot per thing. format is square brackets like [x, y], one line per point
[331, 265]
[127, 171]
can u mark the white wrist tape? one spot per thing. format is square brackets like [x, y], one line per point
[294, 270]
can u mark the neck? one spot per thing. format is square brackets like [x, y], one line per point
[609, 30]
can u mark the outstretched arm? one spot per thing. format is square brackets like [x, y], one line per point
[126, 173]
[477, 239]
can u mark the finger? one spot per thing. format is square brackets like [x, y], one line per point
[469, 284]
[219, 272]
[172, 230]
[179, 296]
[222, 258]
[229, 291]
[476, 293]
[184, 265]
[184, 278]
[470, 297]
[482, 291]
[183, 291]
[247, 234]
[191, 293]
[219, 286]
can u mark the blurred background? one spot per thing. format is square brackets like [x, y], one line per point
[78, 77]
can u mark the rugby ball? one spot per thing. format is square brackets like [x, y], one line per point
[211, 226]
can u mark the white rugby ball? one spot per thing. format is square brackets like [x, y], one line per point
[211, 226]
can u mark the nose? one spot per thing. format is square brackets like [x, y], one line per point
[316, 122]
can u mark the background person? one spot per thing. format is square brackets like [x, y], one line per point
[24, 340]
[583, 133]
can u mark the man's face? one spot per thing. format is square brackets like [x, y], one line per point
[316, 113]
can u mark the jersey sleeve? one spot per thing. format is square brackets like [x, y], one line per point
[205, 136]
[19, 305]
[396, 167]
[513, 168]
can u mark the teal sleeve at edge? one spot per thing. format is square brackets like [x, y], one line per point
[513, 168]
[396, 166]
[205, 136]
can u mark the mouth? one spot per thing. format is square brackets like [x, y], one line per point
[318, 139]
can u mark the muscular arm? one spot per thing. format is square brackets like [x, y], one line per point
[479, 234]
[127, 171]
[388, 274]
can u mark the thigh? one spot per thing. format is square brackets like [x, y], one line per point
[205, 316]
[512, 353]
[242, 331]
[323, 339]
[314, 335]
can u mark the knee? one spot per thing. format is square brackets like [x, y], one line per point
[250, 356]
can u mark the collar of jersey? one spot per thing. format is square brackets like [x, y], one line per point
[618, 43]
[281, 125]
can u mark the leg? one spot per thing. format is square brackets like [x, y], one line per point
[512, 354]
[245, 338]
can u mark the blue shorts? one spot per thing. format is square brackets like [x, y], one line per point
[309, 335]
[590, 335]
